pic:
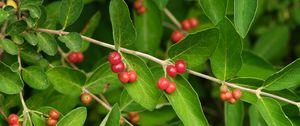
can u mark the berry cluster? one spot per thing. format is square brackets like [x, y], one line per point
[164, 84]
[86, 98]
[13, 120]
[118, 66]
[139, 7]
[75, 57]
[229, 96]
[134, 117]
[190, 23]
[178, 68]
[53, 117]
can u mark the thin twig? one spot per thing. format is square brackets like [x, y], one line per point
[162, 62]
[104, 99]
[3, 113]
[25, 111]
[172, 18]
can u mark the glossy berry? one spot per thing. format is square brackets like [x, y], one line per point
[54, 114]
[80, 57]
[177, 36]
[228, 95]
[75, 57]
[16, 124]
[171, 88]
[224, 88]
[171, 71]
[236, 94]
[13, 119]
[51, 122]
[193, 22]
[132, 76]
[163, 83]
[114, 58]
[141, 10]
[185, 24]
[132, 114]
[223, 96]
[231, 101]
[138, 4]
[124, 77]
[118, 67]
[86, 98]
[135, 119]
[180, 66]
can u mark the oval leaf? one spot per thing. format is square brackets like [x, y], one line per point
[287, 77]
[214, 9]
[144, 90]
[16, 28]
[112, 118]
[200, 45]
[66, 81]
[10, 82]
[186, 103]
[38, 120]
[73, 41]
[123, 31]
[234, 114]
[272, 112]
[76, 117]
[9, 46]
[70, 11]
[31, 38]
[35, 77]
[226, 61]
[47, 43]
[244, 13]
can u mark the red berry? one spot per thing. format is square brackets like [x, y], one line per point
[138, 4]
[114, 58]
[124, 77]
[86, 98]
[177, 36]
[171, 88]
[51, 122]
[163, 83]
[193, 22]
[80, 57]
[223, 96]
[228, 95]
[13, 119]
[118, 67]
[16, 124]
[141, 10]
[54, 114]
[185, 24]
[236, 94]
[72, 57]
[224, 88]
[180, 66]
[132, 114]
[171, 71]
[132, 76]
[135, 119]
[231, 101]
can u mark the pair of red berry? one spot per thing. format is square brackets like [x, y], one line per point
[86, 98]
[189, 23]
[164, 84]
[134, 117]
[227, 95]
[53, 117]
[13, 120]
[118, 66]
[139, 7]
[178, 68]
[75, 57]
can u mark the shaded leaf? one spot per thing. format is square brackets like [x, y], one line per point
[10, 82]
[47, 43]
[255, 117]
[16, 28]
[112, 118]
[73, 41]
[35, 77]
[234, 114]
[70, 11]
[214, 9]
[9, 46]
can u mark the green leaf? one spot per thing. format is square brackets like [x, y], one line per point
[272, 43]
[123, 31]
[73, 41]
[34, 10]
[144, 90]
[149, 28]
[214, 9]
[272, 112]
[186, 103]
[17, 39]
[35, 77]
[29, 55]
[166, 114]
[255, 117]
[10, 82]
[244, 13]
[287, 77]
[47, 43]
[112, 118]
[66, 81]
[255, 66]
[9, 46]
[76, 117]
[100, 78]
[31, 38]
[3, 15]
[31, 2]
[70, 11]
[234, 114]
[16, 28]
[38, 120]
[226, 61]
[128, 104]
[200, 45]
[161, 3]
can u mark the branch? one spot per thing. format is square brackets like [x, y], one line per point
[163, 63]
[172, 18]
[25, 111]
